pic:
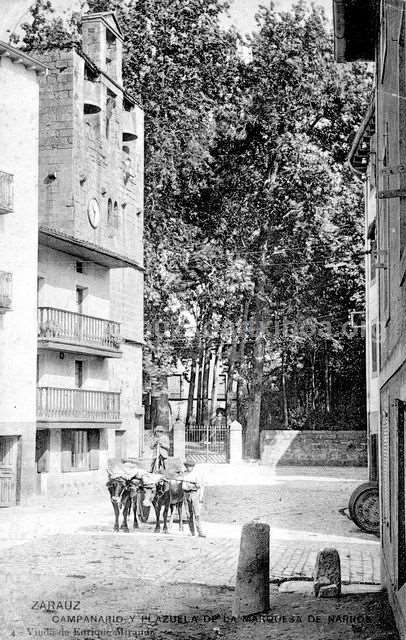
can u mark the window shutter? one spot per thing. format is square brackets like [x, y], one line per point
[66, 458]
[94, 448]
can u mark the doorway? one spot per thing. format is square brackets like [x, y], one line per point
[8, 470]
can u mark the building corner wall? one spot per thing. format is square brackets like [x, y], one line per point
[19, 107]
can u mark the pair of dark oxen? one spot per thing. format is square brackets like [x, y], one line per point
[138, 493]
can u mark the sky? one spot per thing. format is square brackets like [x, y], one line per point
[242, 12]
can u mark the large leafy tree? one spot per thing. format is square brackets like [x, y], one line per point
[288, 202]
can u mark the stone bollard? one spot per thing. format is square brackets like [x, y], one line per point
[235, 441]
[252, 582]
[179, 439]
[327, 574]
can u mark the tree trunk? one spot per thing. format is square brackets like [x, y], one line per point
[242, 386]
[308, 385]
[244, 329]
[254, 407]
[295, 386]
[231, 364]
[215, 381]
[199, 387]
[327, 382]
[330, 387]
[284, 396]
[191, 394]
[313, 380]
[205, 386]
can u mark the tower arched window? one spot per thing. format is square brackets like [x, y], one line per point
[109, 211]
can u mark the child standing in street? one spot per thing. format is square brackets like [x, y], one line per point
[160, 447]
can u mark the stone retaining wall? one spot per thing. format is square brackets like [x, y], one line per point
[312, 448]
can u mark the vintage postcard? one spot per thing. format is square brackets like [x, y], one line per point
[202, 292]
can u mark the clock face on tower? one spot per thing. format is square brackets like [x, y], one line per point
[93, 213]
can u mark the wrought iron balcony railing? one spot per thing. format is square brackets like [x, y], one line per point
[6, 192]
[58, 325]
[6, 291]
[77, 405]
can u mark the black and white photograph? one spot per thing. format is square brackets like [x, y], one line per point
[203, 319]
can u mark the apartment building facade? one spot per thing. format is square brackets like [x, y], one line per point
[19, 107]
[90, 263]
[376, 32]
[363, 162]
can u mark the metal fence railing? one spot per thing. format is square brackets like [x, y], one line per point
[207, 442]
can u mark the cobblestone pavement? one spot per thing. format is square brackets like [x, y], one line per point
[68, 551]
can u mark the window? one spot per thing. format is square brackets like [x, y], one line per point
[90, 73]
[79, 267]
[115, 215]
[386, 157]
[374, 349]
[373, 256]
[80, 449]
[110, 106]
[80, 296]
[373, 250]
[109, 211]
[6, 192]
[372, 164]
[111, 50]
[78, 374]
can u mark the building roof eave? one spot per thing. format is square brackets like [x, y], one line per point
[85, 250]
[20, 57]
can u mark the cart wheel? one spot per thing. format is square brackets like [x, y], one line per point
[142, 512]
[364, 507]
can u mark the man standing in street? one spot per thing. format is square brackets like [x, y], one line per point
[160, 447]
[193, 488]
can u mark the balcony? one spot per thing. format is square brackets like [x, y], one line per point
[6, 192]
[61, 330]
[6, 288]
[77, 405]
